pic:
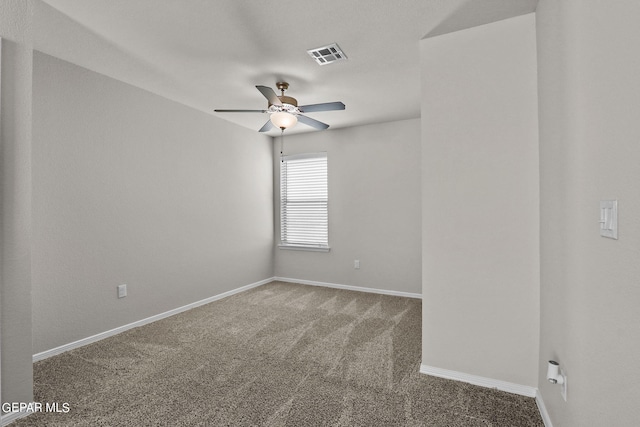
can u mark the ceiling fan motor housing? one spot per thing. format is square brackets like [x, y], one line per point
[288, 100]
[289, 105]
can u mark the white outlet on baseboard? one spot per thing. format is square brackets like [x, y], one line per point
[563, 390]
[122, 291]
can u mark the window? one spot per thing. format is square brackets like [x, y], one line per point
[304, 215]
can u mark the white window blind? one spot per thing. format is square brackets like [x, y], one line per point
[304, 216]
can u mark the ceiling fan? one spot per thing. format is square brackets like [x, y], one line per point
[284, 110]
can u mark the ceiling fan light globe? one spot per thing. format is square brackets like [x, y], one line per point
[283, 120]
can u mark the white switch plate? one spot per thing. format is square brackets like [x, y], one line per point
[609, 218]
[122, 291]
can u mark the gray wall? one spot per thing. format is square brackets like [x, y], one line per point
[15, 200]
[374, 207]
[480, 202]
[129, 187]
[588, 68]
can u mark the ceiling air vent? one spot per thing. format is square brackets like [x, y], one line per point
[327, 54]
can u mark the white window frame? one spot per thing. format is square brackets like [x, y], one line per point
[297, 232]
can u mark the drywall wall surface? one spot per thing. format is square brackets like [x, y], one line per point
[374, 207]
[480, 201]
[588, 71]
[58, 35]
[15, 200]
[132, 188]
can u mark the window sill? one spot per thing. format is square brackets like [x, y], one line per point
[305, 248]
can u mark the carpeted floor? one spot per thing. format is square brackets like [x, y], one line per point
[278, 355]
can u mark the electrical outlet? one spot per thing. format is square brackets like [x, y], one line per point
[356, 264]
[563, 390]
[122, 291]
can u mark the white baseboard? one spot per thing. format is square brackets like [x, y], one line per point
[348, 287]
[7, 419]
[76, 344]
[514, 388]
[491, 383]
[543, 410]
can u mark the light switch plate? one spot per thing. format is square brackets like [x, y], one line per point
[609, 218]
[122, 291]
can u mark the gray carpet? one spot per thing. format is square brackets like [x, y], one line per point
[277, 355]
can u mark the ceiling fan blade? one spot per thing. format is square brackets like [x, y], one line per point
[240, 111]
[267, 126]
[269, 94]
[327, 106]
[312, 122]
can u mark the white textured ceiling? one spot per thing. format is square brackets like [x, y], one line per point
[211, 53]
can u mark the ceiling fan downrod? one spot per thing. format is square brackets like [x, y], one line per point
[282, 86]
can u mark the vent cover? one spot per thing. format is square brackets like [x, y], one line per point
[327, 54]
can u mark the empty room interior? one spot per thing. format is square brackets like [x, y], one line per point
[320, 213]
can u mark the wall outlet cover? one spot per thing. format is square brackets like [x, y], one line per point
[563, 390]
